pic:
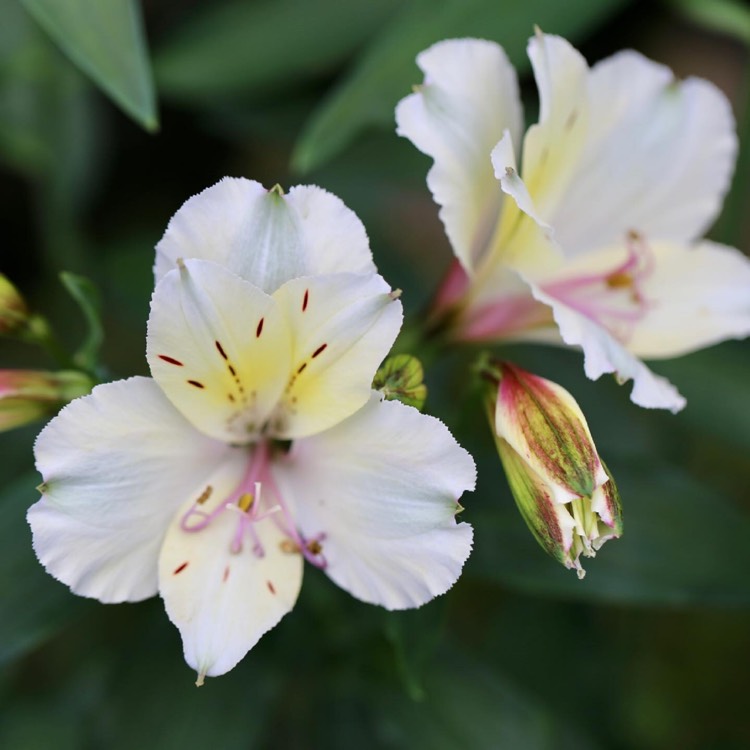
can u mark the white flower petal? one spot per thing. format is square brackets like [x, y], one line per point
[604, 354]
[264, 236]
[116, 465]
[222, 600]
[383, 487]
[333, 237]
[552, 148]
[220, 348]
[526, 240]
[695, 296]
[468, 99]
[342, 325]
[658, 157]
[504, 165]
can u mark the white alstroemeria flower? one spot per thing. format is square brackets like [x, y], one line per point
[257, 444]
[266, 236]
[623, 173]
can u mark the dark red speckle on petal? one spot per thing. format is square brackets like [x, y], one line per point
[259, 329]
[196, 384]
[171, 360]
[180, 568]
[305, 300]
[220, 349]
[319, 350]
[271, 587]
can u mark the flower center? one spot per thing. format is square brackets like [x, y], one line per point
[614, 298]
[255, 499]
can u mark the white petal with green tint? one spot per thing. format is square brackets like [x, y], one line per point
[658, 157]
[552, 147]
[117, 465]
[265, 236]
[221, 598]
[526, 240]
[381, 492]
[342, 327]
[333, 238]
[220, 348]
[468, 99]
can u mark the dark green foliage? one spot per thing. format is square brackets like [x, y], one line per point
[648, 652]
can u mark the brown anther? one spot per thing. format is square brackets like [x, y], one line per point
[314, 547]
[245, 501]
[619, 281]
[205, 495]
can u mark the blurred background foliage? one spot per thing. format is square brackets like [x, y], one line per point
[111, 115]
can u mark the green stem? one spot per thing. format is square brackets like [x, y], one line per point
[39, 332]
[416, 339]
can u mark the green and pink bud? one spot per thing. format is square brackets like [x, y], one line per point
[28, 395]
[562, 488]
[14, 313]
[401, 378]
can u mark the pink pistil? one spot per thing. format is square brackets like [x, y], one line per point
[316, 559]
[600, 296]
[256, 475]
[255, 469]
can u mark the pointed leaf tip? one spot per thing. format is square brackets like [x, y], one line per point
[106, 40]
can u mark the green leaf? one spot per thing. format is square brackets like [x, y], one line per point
[467, 705]
[22, 729]
[730, 17]
[386, 70]
[49, 132]
[414, 636]
[683, 544]
[106, 39]
[714, 382]
[239, 47]
[228, 712]
[33, 604]
[85, 293]
[24, 77]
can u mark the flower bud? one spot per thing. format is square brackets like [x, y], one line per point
[28, 395]
[562, 488]
[401, 378]
[13, 310]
